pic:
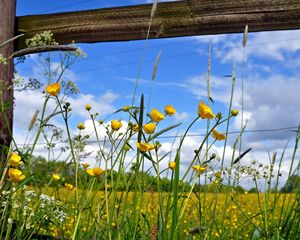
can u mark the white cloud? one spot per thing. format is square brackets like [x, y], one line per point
[274, 45]
[270, 102]
[102, 104]
[181, 116]
[27, 102]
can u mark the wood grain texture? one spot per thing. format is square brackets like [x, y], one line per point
[172, 19]
[7, 29]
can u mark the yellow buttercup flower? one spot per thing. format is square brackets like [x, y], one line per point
[14, 160]
[53, 89]
[15, 175]
[69, 187]
[116, 125]
[95, 172]
[144, 147]
[172, 165]
[156, 116]
[55, 176]
[217, 135]
[88, 107]
[205, 111]
[170, 110]
[200, 169]
[149, 128]
[80, 126]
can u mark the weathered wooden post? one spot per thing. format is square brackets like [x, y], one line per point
[7, 31]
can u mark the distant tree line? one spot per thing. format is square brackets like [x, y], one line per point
[43, 169]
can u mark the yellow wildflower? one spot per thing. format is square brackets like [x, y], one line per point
[80, 126]
[69, 187]
[149, 128]
[156, 116]
[170, 110]
[205, 111]
[218, 136]
[55, 176]
[116, 125]
[172, 165]
[53, 89]
[14, 160]
[15, 175]
[88, 107]
[234, 112]
[95, 172]
[200, 169]
[144, 147]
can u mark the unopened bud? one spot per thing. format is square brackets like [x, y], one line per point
[126, 108]
[234, 112]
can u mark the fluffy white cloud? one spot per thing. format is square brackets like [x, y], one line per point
[103, 104]
[275, 45]
[181, 116]
[27, 102]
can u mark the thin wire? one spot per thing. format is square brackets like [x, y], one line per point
[195, 135]
[154, 47]
[64, 6]
[134, 62]
[176, 43]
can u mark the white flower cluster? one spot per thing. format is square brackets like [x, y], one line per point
[80, 53]
[41, 39]
[32, 208]
[255, 170]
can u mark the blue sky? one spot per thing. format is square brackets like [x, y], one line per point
[106, 79]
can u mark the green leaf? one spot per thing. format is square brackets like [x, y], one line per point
[164, 130]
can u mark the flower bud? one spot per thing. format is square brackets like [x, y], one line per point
[80, 126]
[88, 107]
[234, 112]
[126, 108]
[126, 147]
[219, 115]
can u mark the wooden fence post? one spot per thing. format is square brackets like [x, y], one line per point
[7, 30]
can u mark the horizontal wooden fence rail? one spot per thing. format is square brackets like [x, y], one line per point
[172, 19]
